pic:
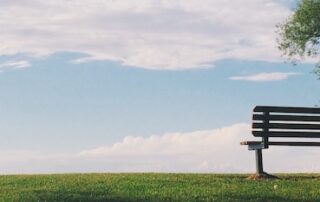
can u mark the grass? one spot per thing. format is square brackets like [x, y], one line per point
[158, 187]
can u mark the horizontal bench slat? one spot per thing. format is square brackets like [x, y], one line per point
[260, 117]
[294, 143]
[307, 110]
[282, 143]
[286, 126]
[286, 134]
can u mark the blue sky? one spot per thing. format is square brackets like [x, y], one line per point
[116, 86]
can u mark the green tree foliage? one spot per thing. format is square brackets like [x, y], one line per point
[299, 35]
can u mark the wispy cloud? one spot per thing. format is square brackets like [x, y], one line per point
[147, 34]
[14, 64]
[263, 77]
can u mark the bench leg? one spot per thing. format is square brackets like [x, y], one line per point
[259, 165]
[260, 174]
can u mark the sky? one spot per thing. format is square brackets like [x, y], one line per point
[148, 86]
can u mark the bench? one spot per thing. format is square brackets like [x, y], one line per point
[282, 122]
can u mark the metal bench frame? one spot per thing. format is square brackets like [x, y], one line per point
[282, 122]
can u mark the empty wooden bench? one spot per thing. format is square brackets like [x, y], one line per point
[270, 122]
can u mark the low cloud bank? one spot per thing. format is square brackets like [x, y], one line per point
[216, 151]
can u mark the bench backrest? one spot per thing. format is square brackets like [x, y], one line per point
[296, 122]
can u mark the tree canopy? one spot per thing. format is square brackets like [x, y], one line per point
[299, 35]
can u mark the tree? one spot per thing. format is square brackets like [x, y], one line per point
[299, 35]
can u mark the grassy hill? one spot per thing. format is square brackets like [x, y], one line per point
[157, 187]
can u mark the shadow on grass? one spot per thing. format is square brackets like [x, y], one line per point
[114, 198]
[137, 199]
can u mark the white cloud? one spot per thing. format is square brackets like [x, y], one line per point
[150, 34]
[262, 77]
[14, 64]
[193, 143]
[210, 150]
[216, 151]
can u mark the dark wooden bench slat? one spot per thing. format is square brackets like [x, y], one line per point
[286, 126]
[307, 144]
[305, 110]
[287, 134]
[260, 117]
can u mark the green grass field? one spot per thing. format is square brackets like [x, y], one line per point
[158, 187]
